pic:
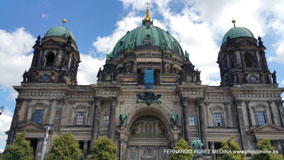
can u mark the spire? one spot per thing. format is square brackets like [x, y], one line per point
[234, 22]
[147, 21]
[63, 21]
[148, 12]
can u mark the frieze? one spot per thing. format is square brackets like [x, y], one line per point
[164, 96]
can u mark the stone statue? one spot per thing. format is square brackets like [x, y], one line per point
[174, 118]
[197, 146]
[122, 118]
[131, 45]
[274, 77]
[25, 77]
[186, 56]
[99, 75]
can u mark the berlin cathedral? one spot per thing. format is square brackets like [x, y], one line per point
[148, 95]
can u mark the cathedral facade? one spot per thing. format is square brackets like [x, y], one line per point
[148, 95]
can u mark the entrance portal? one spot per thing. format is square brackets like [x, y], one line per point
[148, 140]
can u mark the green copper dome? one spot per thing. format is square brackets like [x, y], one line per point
[147, 37]
[237, 32]
[59, 31]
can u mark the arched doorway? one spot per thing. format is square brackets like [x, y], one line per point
[148, 135]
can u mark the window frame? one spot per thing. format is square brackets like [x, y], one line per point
[191, 121]
[260, 120]
[80, 118]
[219, 118]
[106, 120]
[36, 117]
[49, 60]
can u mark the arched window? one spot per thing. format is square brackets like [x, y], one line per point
[248, 60]
[50, 60]
[148, 127]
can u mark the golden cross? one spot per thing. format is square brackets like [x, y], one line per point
[148, 4]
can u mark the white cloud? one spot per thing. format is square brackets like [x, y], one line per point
[5, 122]
[106, 44]
[14, 58]
[44, 15]
[200, 25]
[88, 69]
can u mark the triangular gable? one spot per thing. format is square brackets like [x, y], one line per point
[52, 42]
[268, 128]
[30, 126]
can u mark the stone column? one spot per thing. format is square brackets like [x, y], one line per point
[96, 120]
[202, 121]
[113, 102]
[241, 124]
[229, 114]
[248, 113]
[58, 114]
[212, 148]
[271, 111]
[39, 148]
[85, 149]
[186, 119]
[28, 105]
[11, 134]
[123, 143]
[279, 105]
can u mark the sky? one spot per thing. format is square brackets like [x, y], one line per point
[198, 25]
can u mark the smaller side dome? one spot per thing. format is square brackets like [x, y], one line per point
[60, 31]
[237, 32]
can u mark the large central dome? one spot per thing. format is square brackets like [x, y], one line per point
[147, 37]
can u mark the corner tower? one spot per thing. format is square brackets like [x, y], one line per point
[242, 59]
[56, 58]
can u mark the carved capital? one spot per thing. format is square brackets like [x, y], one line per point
[269, 102]
[247, 102]
[200, 100]
[98, 100]
[113, 101]
[19, 101]
[238, 102]
[226, 103]
[184, 101]
[60, 100]
[51, 101]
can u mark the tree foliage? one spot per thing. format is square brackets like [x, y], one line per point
[21, 150]
[230, 145]
[182, 145]
[65, 147]
[104, 149]
[265, 145]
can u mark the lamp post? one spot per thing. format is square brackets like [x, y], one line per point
[44, 142]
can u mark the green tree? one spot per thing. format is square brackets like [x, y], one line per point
[182, 146]
[65, 147]
[265, 145]
[230, 145]
[104, 149]
[21, 150]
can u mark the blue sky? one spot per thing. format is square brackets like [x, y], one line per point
[97, 25]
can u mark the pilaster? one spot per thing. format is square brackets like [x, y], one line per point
[113, 102]
[96, 120]
[203, 121]
[239, 109]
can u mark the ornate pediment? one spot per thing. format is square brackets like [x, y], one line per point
[148, 98]
[30, 126]
[268, 128]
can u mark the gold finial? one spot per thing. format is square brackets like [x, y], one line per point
[234, 22]
[63, 21]
[148, 12]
